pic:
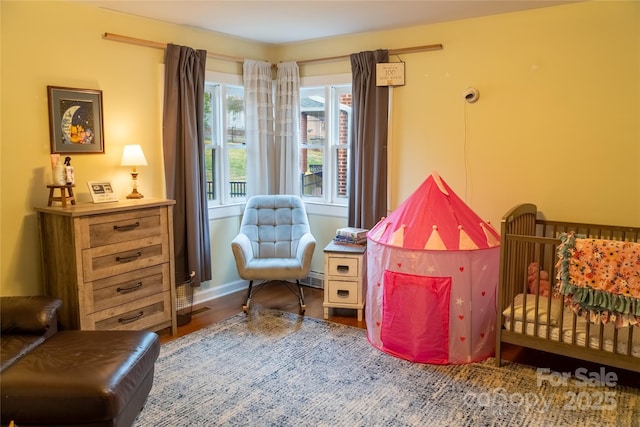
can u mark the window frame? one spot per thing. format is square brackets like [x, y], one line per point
[223, 205]
[329, 203]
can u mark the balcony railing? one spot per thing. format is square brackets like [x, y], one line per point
[211, 192]
[237, 189]
[311, 185]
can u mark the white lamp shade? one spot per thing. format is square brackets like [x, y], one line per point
[132, 155]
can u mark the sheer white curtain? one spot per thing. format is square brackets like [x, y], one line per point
[287, 168]
[258, 108]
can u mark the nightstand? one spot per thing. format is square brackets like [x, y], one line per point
[344, 277]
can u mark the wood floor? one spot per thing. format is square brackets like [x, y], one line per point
[279, 297]
[273, 295]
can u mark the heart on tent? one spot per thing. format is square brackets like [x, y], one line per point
[377, 323]
[460, 317]
[461, 269]
[399, 265]
[483, 293]
[481, 334]
[463, 338]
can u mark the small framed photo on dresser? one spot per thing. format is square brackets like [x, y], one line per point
[102, 192]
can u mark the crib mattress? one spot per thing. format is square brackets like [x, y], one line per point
[581, 333]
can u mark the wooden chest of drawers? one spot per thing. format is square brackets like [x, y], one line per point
[111, 264]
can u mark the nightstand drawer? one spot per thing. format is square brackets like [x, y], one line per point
[343, 292]
[120, 289]
[115, 228]
[347, 267]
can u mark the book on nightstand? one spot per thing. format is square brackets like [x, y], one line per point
[351, 236]
[352, 232]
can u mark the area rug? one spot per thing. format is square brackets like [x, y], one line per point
[271, 368]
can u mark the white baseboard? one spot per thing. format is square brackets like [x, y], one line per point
[315, 280]
[201, 297]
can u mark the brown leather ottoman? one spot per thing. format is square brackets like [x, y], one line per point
[83, 378]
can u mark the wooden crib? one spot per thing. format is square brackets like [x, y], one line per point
[529, 319]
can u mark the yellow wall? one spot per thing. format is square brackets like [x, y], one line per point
[558, 119]
[61, 44]
[557, 123]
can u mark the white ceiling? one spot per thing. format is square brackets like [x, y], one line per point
[278, 22]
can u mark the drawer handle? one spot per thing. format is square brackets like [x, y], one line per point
[130, 288]
[128, 258]
[343, 268]
[126, 227]
[343, 293]
[124, 320]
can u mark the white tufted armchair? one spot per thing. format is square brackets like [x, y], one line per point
[274, 243]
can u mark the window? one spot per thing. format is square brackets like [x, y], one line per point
[225, 148]
[324, 139]
[325, 134]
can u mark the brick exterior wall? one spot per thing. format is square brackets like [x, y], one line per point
[342, 154]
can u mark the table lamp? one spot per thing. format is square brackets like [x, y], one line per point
[132, 155]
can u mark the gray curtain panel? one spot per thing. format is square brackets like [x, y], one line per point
[368, 163]
[183, 146]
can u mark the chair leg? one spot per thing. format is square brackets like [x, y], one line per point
[303, 307]
[245, 307]
[299, 293]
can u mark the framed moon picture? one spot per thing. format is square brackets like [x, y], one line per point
[75, 120]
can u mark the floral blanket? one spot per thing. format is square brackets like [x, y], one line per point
[600, 279]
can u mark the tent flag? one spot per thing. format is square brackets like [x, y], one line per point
[492, 240]
[466, 243]
[435, 242]
[397, 239]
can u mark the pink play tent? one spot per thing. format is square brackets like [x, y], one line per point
[432, 276]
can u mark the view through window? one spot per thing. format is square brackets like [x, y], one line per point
[324, 142]
[325, 120]
[225, 147]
